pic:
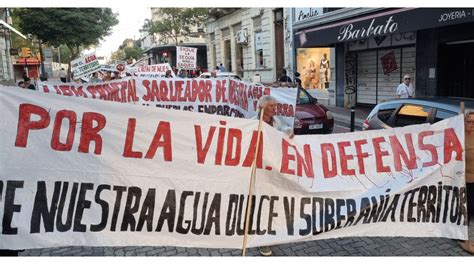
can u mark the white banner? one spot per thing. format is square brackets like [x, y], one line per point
[152, 71]
[219, 96]
[85, 65]
[77, 172]
[186, 58]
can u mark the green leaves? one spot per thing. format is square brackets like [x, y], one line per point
[176, 22]
[73, 27]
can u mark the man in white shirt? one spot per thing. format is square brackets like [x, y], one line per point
[62, 75]
[403, 89]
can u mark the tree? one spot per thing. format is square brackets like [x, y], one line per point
[176, 22]
[73, 27]
[132, 53]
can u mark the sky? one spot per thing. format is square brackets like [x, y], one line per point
[131, 19]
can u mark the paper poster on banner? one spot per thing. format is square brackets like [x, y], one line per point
[84, 66]
[152, 71]
[225, 97]
[104, 174]
[186, 58]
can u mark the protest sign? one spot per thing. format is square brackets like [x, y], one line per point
[226, 97]
[77, 172]
[186, 57]
[85, 65]
[152, 71]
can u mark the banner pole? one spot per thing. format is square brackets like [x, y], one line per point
[251, 183]
[461, 108]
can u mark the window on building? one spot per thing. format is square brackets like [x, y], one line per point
[258, 43]
[225, 33]
[213, 50]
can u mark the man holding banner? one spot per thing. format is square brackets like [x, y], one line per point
[268, 104]
[468, 245]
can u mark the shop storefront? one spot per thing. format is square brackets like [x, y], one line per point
[313, 64]
[377, 47]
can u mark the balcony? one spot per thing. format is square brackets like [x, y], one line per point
[216, 13]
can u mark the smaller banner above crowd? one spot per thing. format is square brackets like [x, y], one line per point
[152, 71]
[220, 96]
[186, 57]
[84, 66]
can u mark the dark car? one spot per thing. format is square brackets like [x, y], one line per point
[412, 111]
[310, 116]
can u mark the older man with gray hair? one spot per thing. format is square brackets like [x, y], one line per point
[404, 89]
[268, 103]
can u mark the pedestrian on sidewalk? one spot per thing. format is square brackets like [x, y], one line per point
[468, 245]
[62, 75]
[28, 85]
[284, 77]
[404, 89]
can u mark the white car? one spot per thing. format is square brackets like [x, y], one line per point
[207, 75]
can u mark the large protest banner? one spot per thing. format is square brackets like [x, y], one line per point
[186, 57]
[77, 172]
[219, 96]
[85, 65]
[152, 71]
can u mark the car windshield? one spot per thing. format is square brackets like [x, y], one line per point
[304, 97]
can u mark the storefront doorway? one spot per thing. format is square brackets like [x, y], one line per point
[456, 70]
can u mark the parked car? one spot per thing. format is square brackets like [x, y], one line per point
[310, 116]
[221, 75]
[412, 111]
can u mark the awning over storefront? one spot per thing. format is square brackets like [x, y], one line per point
[27, 61]
[3, 23]
[379, 24]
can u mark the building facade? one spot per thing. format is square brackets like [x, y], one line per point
[375, 47]
[6, 61]
[247, 41]
[159, 49]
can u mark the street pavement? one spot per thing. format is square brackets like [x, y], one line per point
[355, 246]
[352, 246]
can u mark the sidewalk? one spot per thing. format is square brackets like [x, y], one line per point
[342, 116]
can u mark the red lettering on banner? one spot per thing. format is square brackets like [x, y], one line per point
[285, 110]
[428, 147]
[399, 153]
[361, 155]
[451, 144]
[235, 135]
[200, 150]
[305, 162]
[220, 143]
[379, 154]
[251, 151]
[163, 91]
[344, 158]
[45, 89]
[325, 149]
[90, 133]
[162, 139]
[65, 90]
[128, 152]
[25, 124]
[55, 142]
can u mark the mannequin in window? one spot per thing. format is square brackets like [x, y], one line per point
[323, 71]
[313, 78]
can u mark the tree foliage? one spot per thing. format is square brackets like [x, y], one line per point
[73, 27]
[176, 22]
